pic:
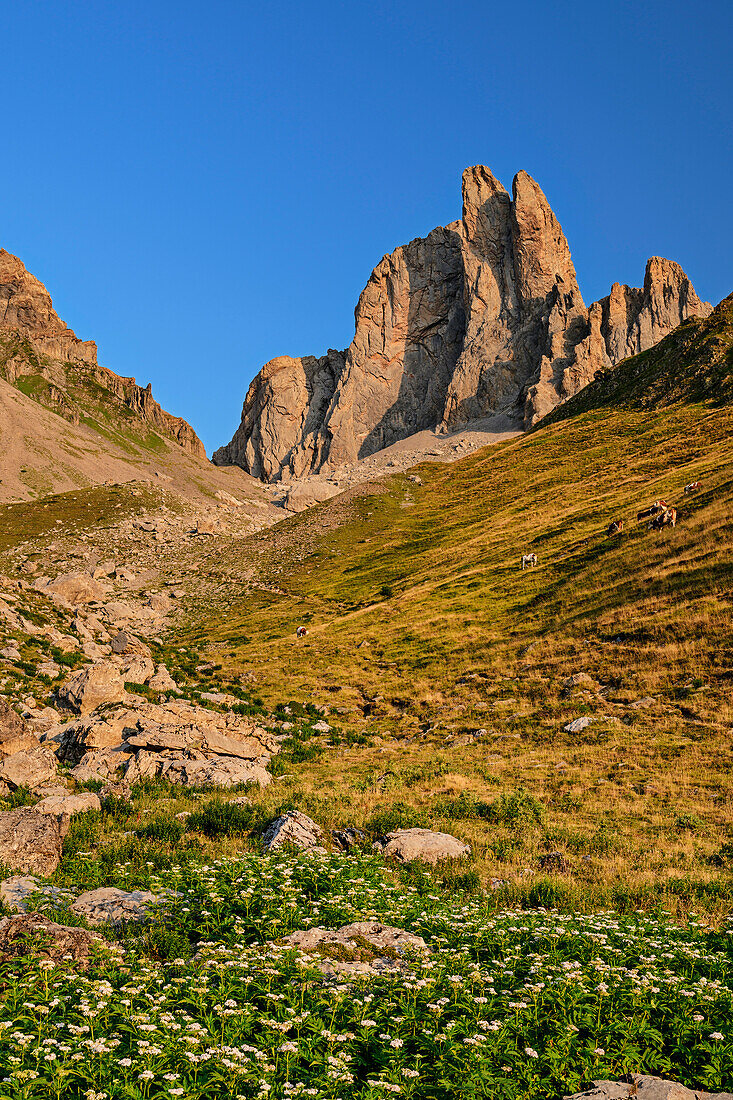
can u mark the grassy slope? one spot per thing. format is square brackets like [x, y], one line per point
[466, 641]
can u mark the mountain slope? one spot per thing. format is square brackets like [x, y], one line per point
[428, 574]
[449, 674]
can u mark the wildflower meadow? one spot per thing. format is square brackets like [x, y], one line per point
[204, 1001]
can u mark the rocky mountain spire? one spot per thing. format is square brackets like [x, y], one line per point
[484, 316]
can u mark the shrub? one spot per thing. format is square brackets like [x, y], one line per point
[389, 818]
[162, 828]
[226, 819]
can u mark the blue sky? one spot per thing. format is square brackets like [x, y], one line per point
[203, 186]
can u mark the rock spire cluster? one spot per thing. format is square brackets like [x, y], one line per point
[481, 317]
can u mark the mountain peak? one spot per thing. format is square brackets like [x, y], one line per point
[481, 317]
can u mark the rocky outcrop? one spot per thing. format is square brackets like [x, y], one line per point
[643, 1087]
[26, 308]
[35, 341]
[482, 317]
[187, 745]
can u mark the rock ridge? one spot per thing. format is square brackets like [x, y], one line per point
[35, 341]
[484, 316]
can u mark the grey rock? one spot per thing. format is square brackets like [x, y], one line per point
[294, 828]
[17, 891]
[30, 842]
[108, 905]
[362, 948]
[348, 838]
[424, 845]
[578, 724]
[51, 941]
[646, 1088]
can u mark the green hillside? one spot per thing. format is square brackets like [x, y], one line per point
[445, 665]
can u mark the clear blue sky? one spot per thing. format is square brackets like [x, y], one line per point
[203, 186]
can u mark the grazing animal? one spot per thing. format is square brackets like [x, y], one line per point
[653, 510]
[692, 487]
[667, 518]
[528, 560]
[615, 527]
[301, 632]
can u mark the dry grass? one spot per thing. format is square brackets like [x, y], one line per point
[428, 640]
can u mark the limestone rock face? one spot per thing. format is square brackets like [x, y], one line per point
[484, 316]
[409, 332]
[26, 307]
[283, 410]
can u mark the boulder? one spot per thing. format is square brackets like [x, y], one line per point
[125, 644]
[310, 492]
[293, 828]
[15, 734]
[108, 905]
[162, 681]
[425, 845]
[73, 589]
[137, 670]
[348, 838]
[69, 804]
[17, 891]
[578, 724]
[364, 947]
[29, 769]
[579, 680]
[642, 1087]
[31, 934]
[30, 842]
[91, 686]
